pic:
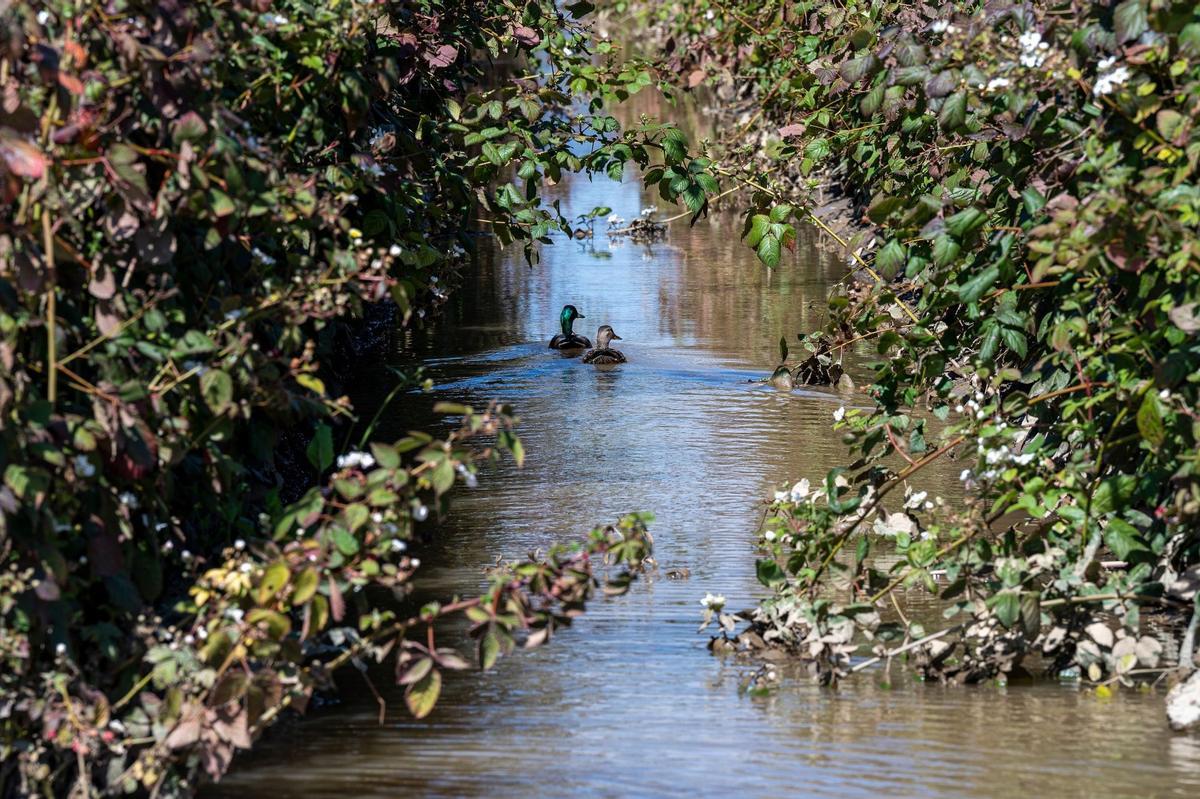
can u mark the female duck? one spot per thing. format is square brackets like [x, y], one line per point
[568, 339]
[604, 354]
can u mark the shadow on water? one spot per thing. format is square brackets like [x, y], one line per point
[629, 702]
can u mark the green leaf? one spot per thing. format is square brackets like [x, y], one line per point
[305, 586]
[320, 449]
[855, 69]
[769, 250]
[1129, 20]
[1007, 606]
[780, 213]
[890, 258]
[345, 543]
[217, 389]
[945, 251]
[783, 349]
[1122, 538]
[769, 573]
[954, 111]
[974, 288]
[759, 225]
[965, 222]
[1150, 420]
[422, 695]
[274, 578]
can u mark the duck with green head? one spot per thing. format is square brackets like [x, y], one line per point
[604, 354]
[568, 339]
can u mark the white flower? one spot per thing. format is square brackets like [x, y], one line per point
[839, 414]
[60, 649]
[355, 459]
[377, 517]
[566, 51]
[235, 613]
[997, 83]
[916, 499]
[416, 562]
[398, 545]
[43, 17]
[781, 496]
[189, 639]
[262, 256]
[965, 476]
[1033, 49]
[769, 535]
[128, 499]
[420, 513]
[83, 466]
[650, 210]
[274, 20]
[239, 545]
[246, 568]
[939, 25]
[394, 250]
[709, 14]
[800, 490]
[613, 219]
[713, 601]
[1165, 394]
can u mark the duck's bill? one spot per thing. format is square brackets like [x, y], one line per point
[618, 338]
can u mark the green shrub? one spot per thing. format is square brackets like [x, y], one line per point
[1029, 173]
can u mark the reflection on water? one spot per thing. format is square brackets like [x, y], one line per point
[629, 702]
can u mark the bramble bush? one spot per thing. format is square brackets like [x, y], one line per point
[212, 214]
[1024, 182]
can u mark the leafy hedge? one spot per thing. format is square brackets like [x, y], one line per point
[1028, 172]
[211, 215]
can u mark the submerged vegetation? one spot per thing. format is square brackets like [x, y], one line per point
[1022, 180]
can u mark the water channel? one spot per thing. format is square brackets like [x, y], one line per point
[629, 702]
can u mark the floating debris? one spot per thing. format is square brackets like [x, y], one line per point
[640, 230]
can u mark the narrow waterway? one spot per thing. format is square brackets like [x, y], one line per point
[629, 702]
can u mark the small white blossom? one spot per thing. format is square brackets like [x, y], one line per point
[416, 562]
[274, 20]
[939, 25]
[60, 649]
[239, 545]
[713, 601]
[84, 467]
[710, 14]
[800, 490]
[355, 459]
[965, 476]
[43, 17]
[377, 517]
[394, 250]
[839, 414]
[420, 513]
[235, 613]
[769, 535]
[997, 83]
[916, 499]
[128, 499]
[246, 568]
[398, 545]
[1165, 394]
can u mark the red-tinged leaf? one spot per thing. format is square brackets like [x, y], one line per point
[526, 36]
[422, 695]
[444, 56]
[21, 157]
[695, 78]
[337, 604]
[795, 129]
[71, 83]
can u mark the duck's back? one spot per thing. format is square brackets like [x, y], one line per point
[571, 342]
[604, 356]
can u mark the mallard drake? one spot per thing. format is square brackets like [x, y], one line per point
[603, 353]
[568, 339]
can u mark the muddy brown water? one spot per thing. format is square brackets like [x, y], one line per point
[629, 702]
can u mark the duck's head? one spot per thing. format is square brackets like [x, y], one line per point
[569, 314]
[605, 335]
